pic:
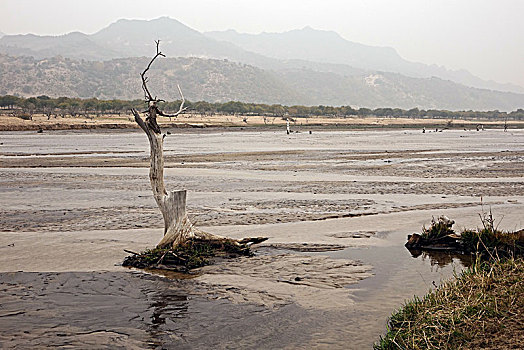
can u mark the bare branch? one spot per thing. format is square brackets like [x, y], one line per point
[139, 120]
[147, 94]
[180, 109]
[149, 97]
[153, 111]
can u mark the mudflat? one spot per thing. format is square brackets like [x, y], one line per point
[336, 206]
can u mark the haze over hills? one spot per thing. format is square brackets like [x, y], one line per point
[132, 38]
[74, 45]
[221, 80]
[128, 38]
[203, 79]
[314, 45]
[305, 66]
[329, 47]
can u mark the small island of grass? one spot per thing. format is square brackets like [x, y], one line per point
[483, 307]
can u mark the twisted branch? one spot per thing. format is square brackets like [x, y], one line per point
[180, 109]
[153, 109]
[147, 94]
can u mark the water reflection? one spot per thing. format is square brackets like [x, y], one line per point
[168, 304]
[171, 274]
[442, 258]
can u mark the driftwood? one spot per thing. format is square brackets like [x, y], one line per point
[448, 243]
[177, 226]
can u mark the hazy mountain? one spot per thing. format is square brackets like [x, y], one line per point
[294, 49]
[201, 79]
[306, 67]
[314, 45]
[220, 81]
[330, 47]
[131, 38]
[396, 90]
[73, 45]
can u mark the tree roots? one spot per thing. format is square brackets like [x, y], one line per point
[192, 254]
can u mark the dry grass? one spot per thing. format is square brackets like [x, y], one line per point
[481, 308]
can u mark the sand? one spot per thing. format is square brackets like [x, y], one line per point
[10, 122]
[336, 207]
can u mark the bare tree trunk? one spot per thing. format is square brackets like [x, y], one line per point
[177, 227]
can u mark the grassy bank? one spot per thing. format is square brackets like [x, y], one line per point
[483, 307]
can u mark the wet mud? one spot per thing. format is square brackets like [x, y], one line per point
[336, 206]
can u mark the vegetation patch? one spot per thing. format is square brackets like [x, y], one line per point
[190, 255]
[487, 241]
[74, 107]
[481, 308]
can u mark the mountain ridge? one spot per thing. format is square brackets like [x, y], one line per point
[387, 58]
[133, 38]
[216, 80]
[337, 84]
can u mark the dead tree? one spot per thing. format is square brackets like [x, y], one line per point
[177, 227]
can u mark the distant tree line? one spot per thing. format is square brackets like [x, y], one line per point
[63, 106]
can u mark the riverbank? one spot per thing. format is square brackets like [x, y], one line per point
[232, 122]
[482, 308]
[336, 206]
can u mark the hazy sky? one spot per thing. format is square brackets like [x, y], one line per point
[484, 36]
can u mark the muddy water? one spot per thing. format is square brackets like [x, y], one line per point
[336, 207]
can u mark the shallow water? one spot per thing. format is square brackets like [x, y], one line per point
[132, 309]
[63, 228]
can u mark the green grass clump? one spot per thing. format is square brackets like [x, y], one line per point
[493, 242]
[481, 308]
[190, 255]
[438, 229]
[487, 241]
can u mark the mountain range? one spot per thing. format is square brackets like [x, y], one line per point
[305, 66]
[330, 47]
